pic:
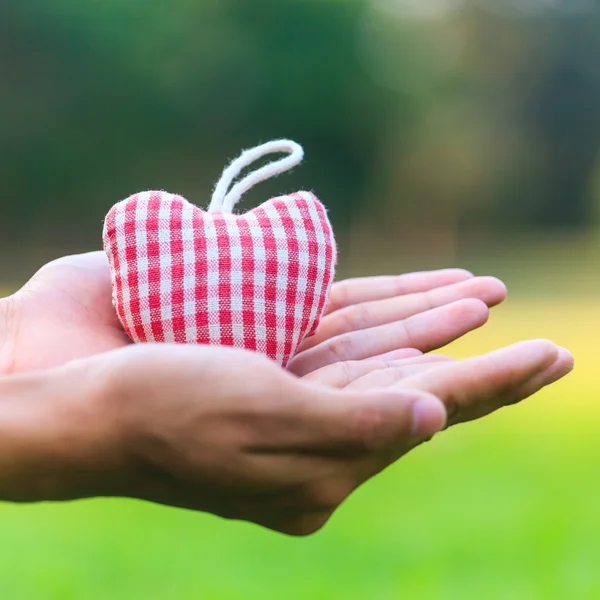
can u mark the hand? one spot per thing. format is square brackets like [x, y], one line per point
[393, 318]
[65, 312]
[229, 432]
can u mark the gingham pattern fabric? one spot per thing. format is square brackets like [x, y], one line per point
[258, 281]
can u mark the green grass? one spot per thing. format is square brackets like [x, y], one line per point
[508, 509]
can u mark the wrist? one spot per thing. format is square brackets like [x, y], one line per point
[56, 441]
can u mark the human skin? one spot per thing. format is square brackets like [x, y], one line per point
[65, 312]
[84, 413]
[230, 433]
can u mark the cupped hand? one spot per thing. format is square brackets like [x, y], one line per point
[65, 312]
[228, 432]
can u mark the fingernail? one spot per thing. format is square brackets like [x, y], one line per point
[429, 417]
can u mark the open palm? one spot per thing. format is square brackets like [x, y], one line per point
[65, 312]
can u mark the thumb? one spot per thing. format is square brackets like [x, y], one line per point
[382, 421]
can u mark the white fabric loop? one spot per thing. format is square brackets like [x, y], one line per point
[224, 201]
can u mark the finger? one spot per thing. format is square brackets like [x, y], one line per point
[365, 426]
[425, 332]
[341, 375]
[475, 387]
[560, 368]
[365, 289]
[382, 378]
[371, 314]
[399, 354]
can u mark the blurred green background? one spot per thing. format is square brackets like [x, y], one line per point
[438, 133]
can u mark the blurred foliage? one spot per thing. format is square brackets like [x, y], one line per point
[439, 114]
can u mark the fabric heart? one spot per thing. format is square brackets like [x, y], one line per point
[258, 281]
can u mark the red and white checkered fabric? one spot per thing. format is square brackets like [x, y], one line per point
[258, 281]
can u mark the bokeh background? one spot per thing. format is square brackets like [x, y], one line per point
[438, 133]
